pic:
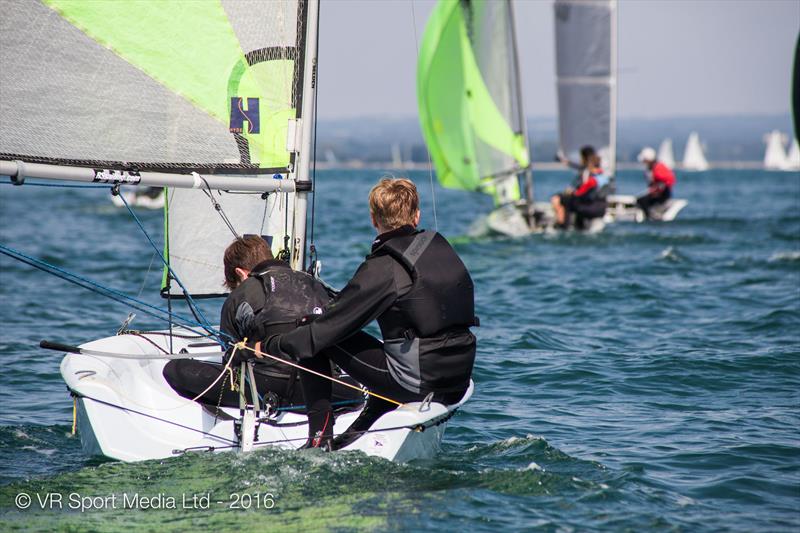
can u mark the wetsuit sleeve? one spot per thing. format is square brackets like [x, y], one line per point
[238, 315]
[586, 186]
[365, 297]
[227, 320]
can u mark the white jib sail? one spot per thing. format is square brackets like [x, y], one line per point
[693, 157]
[793, 159]
[665, 154]
[586, 69]
[774, 155]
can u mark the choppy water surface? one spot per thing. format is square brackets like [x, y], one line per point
[644, 378]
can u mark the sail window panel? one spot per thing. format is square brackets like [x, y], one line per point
[198, 236]
[149, 84]
[583, 38]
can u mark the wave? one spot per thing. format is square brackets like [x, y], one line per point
[785, 257]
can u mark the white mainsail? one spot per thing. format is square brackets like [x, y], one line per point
[586, 69]
[665, 154]
[774, 155]
[693, 157]
[793, 159]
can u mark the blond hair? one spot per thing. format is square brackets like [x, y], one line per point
[394, 202]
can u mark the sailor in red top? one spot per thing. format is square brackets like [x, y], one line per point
[586, 198]
[660, 180]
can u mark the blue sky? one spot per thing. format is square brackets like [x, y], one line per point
[676, 57]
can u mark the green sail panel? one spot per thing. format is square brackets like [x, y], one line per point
[191, 48]
[467, 93]
[205, 85]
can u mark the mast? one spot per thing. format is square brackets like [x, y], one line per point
[307, 119]
[612, 141]
[529, 205]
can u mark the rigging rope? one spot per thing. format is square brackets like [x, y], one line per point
[260, 354]
[430, 164]
[418, 428]
[147, 415]
[312, 249]
[62, 185]
[205, 324]
[217, 206]
[99, 289]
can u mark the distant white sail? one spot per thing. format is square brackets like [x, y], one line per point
[693, 157]
[793, 159]
[774, 156]
[586, 67]
[665, 154]
[397, 156]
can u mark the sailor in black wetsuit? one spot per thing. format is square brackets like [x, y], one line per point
[421, 294]
[267, 297]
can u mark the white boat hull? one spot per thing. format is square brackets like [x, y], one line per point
[127, 411]
[623, 208]
[510, 220]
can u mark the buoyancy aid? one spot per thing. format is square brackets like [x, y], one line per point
[426, 331]
[288, 295]
[442, 293]
[592, 184]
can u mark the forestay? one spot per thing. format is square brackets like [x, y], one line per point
[175, 87]
[586, 69]
[469, 100]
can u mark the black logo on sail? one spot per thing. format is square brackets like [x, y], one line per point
[240, 115]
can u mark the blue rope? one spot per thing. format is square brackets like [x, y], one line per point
[62, 185]
[190, 301]
[103, 290]
[333, 404]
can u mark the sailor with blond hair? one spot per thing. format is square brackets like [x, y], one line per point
[421, 294]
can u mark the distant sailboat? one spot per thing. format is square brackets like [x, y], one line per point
[665, 154]
[470, 106]
[793, 159]
[397, 156]
[693, 157]
[774, 156]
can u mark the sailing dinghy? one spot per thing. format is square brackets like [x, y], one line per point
[215, 102]
[586, 68]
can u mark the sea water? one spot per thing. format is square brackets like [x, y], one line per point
[645, 378]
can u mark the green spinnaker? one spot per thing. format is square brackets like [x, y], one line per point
[460, 120]
[191, 49]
